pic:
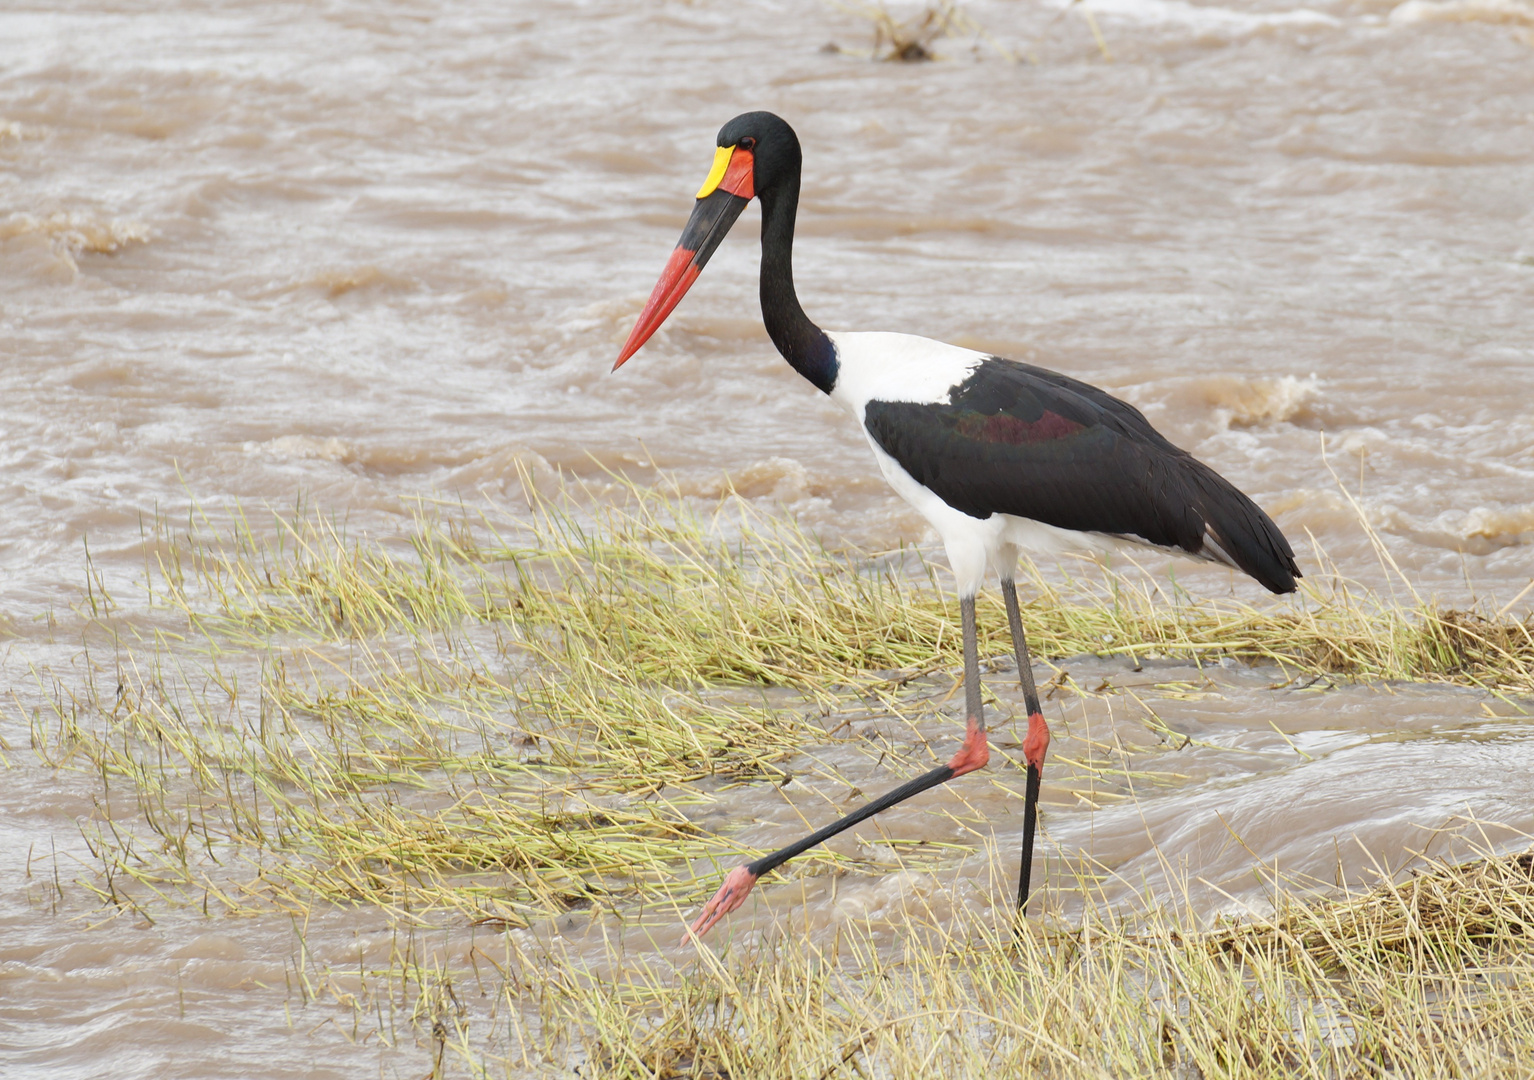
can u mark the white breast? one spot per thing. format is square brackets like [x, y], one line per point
[897, 367]
[903, 367]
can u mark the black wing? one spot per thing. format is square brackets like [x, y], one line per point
[1017, 439]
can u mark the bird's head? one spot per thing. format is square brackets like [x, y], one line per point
[756, 154]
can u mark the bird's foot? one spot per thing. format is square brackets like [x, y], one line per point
[737, 886]
[1036, 745]
[975, 752]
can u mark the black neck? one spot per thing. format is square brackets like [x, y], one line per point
[803, 344]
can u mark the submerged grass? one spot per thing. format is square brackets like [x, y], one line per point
[667, 596]
[501, 719]
[912, 40]
[1357, 987]
[1363, 985]
[649, 590]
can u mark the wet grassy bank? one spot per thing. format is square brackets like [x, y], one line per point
[477, 732]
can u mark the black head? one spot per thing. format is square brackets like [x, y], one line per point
[772, 143]
[757, 157]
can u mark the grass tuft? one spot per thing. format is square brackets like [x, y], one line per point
[1333, 990]
[497, 721]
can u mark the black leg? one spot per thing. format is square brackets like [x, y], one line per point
[971, 756]
[1035, 746]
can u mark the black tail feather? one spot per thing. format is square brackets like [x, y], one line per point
[1244, 533]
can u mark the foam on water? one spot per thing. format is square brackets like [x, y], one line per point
[1518, 12]
[1202, 18]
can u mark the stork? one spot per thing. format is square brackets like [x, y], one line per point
[1000, 457]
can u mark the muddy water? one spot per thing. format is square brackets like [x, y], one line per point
[354, 253]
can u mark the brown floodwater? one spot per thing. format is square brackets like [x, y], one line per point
[347, 254]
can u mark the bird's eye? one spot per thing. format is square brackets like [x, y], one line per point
[748, 143]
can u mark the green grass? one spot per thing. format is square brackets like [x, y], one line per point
[1435, 978]
[501, 719]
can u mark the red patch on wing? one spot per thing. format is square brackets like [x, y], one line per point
[1013, 431]
[740, 177]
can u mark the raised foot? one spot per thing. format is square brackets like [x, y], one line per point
[1036, 745]
[975, 752]
[737, 886]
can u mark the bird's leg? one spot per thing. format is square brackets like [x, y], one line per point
[976, 750]
[1035, 746]
[971, 756]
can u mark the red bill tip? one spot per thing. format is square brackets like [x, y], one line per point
[674, 282]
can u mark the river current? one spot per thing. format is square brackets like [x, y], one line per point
[349, 254]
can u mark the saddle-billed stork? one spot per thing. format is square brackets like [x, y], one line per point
[999, 456]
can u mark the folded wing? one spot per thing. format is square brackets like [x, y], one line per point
[1020, 440]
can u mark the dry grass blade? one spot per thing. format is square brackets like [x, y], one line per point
[498, 720]
[1334, 992]
[911, 40]
[660, 592]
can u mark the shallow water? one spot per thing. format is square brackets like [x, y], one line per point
[350, 254]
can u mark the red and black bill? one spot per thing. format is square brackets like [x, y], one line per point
[725, 194]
